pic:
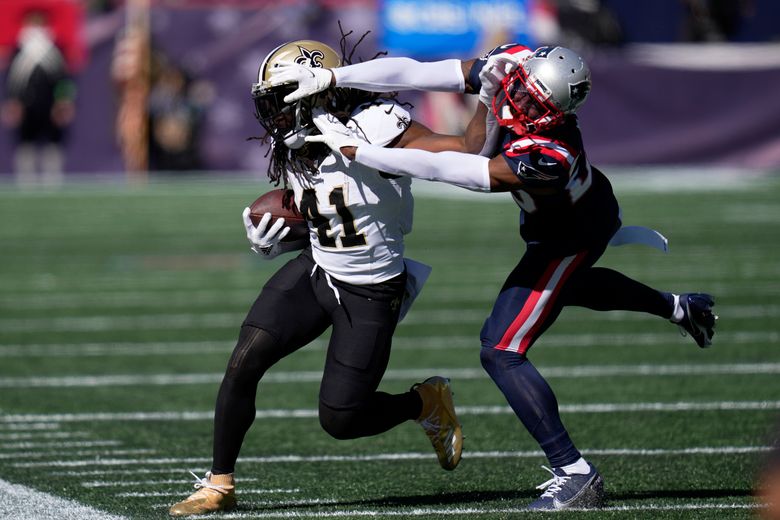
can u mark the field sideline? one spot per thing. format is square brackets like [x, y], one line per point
[119, 307]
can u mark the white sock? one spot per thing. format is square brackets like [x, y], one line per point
[678, 314]
[580, 467]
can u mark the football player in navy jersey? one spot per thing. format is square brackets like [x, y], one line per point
[531, 147]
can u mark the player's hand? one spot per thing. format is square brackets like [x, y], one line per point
[491, 75]
[334, 133]
[310, 80]
[265, 240]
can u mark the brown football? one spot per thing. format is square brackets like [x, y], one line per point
[280, 203]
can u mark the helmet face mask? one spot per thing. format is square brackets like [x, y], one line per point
[289, 123]
[519, 106]
[550, 84]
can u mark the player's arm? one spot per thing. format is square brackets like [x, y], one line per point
[379, 75]
[429, 158]
[421, 154]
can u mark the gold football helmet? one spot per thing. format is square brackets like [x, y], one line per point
[289, 123]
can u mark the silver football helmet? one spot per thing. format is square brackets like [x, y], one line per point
[289, 123]
[549, 84]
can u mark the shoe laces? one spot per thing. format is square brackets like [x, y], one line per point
[205, 483]
[554, 485]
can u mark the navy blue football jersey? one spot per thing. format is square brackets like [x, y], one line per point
[567, 201]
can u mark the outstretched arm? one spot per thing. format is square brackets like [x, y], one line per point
[379, 75]
[421, 154]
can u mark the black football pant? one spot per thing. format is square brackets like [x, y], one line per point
[296, 306]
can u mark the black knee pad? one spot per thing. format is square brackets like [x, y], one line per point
[339, 424]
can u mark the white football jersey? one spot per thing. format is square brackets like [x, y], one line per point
[358, 218]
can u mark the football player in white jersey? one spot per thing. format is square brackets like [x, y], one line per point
[350, 276]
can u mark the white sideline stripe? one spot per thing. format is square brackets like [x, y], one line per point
[69, 453]
[400, 342]
[461, 410]
[392, 375]
[125, 483]
[145, 494]
[379, 513]
[23, 502]
[233, 319]
[704, 450]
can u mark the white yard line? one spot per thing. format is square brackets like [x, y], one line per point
[24, 502]
[130, 483]
[17, 455]
[250, 491]
[306, 413]
[233, 319]
[476, 292]
[41, 435]
[73, 444]
[426, 511]
[292, 459]
[568, 372]
[400, 342]
[28, 427]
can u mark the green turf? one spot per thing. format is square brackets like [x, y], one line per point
[121, 300]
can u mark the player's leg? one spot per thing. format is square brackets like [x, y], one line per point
[284, 317]
[604, 289]
[364, 319]
[527, 305]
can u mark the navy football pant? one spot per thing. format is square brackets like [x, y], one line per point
[296, 306]
[536, 290]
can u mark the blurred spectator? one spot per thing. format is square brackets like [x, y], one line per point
[176, 109]
[40, 102]
[130, 73]
[714, 20]
[577, 24]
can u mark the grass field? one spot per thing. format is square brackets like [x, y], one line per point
[119, 307]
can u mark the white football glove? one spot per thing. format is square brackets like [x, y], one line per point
[310, 80]
[491, 75]
[334, 133]
[265, 242]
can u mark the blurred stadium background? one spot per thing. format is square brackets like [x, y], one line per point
[676, 81]
[124, 274]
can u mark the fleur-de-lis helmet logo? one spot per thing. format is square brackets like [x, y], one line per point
[312, 59]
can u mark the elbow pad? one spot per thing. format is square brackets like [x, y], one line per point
[461, 169]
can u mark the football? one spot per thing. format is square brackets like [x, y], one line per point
[280, 203]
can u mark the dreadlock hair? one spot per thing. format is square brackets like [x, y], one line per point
[338, 101]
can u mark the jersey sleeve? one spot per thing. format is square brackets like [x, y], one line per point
[539, 162]
[509, 48]
[381, 122]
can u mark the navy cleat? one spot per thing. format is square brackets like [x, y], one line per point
[698, 319]
[567, 491]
